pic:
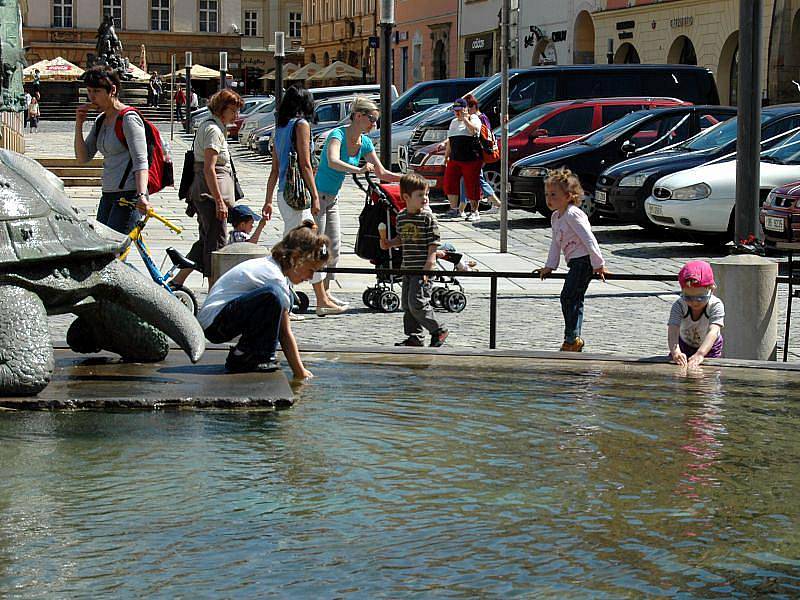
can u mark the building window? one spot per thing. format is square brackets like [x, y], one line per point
[250, 23]
[159, 15]
[208, 16]
[62, 13]
[313, 11]
[295, 21]
[113, 8]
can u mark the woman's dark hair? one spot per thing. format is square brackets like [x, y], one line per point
[296, 102]
[472, 101]
[102, 76]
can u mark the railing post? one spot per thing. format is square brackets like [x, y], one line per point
[493, 315]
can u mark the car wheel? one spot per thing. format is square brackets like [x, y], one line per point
[493, 179]
[589, 206]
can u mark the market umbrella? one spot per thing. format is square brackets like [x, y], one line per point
[288, 69]
[200, 72]
[143, 58]
[336, 70]
[137, 73]
[305, 71]
[58, 68]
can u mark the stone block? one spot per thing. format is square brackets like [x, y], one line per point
[233, 254]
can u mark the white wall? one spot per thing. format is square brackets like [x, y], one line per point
[550, 16]
[477, 17]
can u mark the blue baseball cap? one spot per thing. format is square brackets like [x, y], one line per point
[241, 212]
[459, 104]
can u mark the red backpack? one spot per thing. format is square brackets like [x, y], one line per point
[159, 159]
[489, 148]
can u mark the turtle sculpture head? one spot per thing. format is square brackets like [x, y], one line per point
[54, 261]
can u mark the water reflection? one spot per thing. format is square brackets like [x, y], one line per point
[390, 480]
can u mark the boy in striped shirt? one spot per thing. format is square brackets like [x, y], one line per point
[418, 234]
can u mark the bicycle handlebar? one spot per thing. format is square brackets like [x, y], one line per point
[151, 213]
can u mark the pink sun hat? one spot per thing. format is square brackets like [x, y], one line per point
[696, 273]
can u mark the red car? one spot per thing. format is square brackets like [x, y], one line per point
[780, 217]
[541, 128]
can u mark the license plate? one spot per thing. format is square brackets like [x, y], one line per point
[656, 210]
[773, 223]
[601, 198]
[432, 182]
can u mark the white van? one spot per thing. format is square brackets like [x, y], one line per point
[321, 93]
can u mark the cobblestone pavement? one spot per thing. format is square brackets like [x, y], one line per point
[621, 317]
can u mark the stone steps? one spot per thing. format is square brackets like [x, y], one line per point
[72, 173]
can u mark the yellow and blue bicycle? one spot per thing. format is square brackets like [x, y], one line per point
[136, 237]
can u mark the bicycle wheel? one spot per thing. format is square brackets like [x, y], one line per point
[186, 296]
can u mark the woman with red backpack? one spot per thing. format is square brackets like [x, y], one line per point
[486, 189]
[463, 159]
[125, 164]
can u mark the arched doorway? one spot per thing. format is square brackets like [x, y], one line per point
[728, 71]
[313, 58]
[326, 59]
[626, 55]
[682, 52]
[583, 53]
[544, 53]
[439, 60]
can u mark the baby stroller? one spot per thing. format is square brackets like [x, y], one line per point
[449, 294]
[382, 203]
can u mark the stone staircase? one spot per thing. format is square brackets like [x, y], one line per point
[133, 94]
[72, 173]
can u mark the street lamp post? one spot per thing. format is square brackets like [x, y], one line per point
[387, 23]
[188, 64]
[279, 54]
[610, 53]
[223, 70]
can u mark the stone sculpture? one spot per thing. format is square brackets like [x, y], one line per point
[54, 261]
[12, 57]
[109, 48]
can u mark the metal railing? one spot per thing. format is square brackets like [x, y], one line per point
[495, 275]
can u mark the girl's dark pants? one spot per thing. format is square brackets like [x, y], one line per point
[111, 213]
[572, 295]
[256, 316]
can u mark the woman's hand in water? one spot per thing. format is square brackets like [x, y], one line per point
[679, 358]
[695, 361]
[304, 374]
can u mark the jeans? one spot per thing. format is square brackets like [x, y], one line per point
[256, 316]
[415, 301]
[119, 218]
[572, 296]
[328, 222]
[486, 190]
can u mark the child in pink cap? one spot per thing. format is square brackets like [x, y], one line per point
[694, 329]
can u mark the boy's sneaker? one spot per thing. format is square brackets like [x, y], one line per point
[575, 346]
[412, 341]
[473, 217]
[438, 337]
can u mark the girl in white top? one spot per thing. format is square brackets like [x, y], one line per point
[253, 299]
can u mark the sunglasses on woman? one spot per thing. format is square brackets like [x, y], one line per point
[372, 118]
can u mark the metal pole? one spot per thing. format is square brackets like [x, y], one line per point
[610, 53]
[749, 122]
[788, 308]
[223, 70]
[279, 54]
[188, 64]
[493, 314]
[505, 42]
[172, 99]
[387, 22]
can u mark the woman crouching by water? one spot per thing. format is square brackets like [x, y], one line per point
[253, 300]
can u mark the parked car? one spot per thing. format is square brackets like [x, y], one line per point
[541, 128]
[623, 188]
[638, 133]
[250, 104]
[702, 199]
[327, 115]
[537, 85]
[426, 94]
[780, 216]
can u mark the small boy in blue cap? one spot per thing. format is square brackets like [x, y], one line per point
[243, 219]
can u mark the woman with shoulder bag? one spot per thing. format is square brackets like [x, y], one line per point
[213, 186]
[344, 149]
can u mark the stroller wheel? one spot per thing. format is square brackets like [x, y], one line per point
[301, 302]
[389, 302]
[455, 301]
[437, 297]
[366, 297]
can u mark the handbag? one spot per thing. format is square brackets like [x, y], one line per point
[295, 192]
[187, 175]
[238, 192]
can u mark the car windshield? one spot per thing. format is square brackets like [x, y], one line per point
[486, 88]
[787, 153]
[714, 137]
[613, 129]
[412, 120]
[521, 121]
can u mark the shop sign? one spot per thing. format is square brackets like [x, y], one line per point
[625, 35]
[478, 43]
[625, 25]
[681, 22]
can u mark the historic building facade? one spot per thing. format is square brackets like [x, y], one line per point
[425, 41]
[555, 32]
[341, 30]
[698, 32]
[243, 28]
